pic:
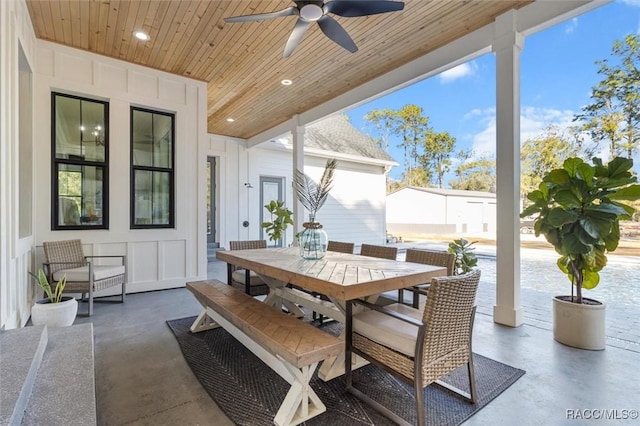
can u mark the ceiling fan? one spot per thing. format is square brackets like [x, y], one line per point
[318, 11]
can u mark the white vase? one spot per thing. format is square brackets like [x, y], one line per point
[579, 325]
[60, 314]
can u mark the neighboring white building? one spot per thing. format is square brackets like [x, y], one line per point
[418, 210]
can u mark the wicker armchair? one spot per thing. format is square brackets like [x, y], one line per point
[381, 252]
[419, 347]
[427, 257]
[244, 279]
[66, 258]
[340, 247]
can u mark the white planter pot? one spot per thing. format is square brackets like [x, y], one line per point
[60, 314]
[579, 325]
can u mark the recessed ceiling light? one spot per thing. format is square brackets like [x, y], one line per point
[286, 82]
[230, 120]
[141, 35]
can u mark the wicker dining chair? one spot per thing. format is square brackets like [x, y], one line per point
[340, 247]
[417, 346]
[382, 252]
[66, 258]
[244, 279]
[427, 257]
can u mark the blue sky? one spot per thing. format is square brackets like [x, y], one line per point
[558, 71]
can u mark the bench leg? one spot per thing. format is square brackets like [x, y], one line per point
[301, 402]
[203, 323]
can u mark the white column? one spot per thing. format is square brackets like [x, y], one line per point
[507, 46]
[298, 164]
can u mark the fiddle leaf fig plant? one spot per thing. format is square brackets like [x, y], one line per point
[280, 218]
[466, 259]
[578, 209]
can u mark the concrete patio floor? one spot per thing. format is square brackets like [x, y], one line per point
[142, 378]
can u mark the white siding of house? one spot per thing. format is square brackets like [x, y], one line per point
[354, 211]
[156, 259]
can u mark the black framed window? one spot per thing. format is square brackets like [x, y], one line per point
[80, 152]
[152, 169]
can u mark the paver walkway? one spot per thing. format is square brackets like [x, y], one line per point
[623, 319]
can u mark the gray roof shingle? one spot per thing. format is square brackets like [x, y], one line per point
[338, 135]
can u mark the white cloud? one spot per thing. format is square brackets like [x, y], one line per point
[632, 3]
[572, 26]
[461, 71]
[533, 120]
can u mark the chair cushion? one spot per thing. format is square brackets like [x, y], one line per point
[389, 331]
[254, 279]
[100, 272]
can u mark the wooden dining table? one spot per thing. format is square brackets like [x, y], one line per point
[338, 276]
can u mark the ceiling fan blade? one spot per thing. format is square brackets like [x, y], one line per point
[350, 9]
[296, 37]
[260, 16]
[332, 29]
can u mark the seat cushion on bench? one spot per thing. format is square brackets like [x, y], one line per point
[387, 330]
[254, 279]
[100, 272]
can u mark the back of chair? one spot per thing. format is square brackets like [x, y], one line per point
[340, 247]
[432, 257]
[69, 252]
[449, 316]
[247, 245]
[381, 252]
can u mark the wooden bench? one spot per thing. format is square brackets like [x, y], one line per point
[291, 347]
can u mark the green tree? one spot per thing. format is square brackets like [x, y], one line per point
[411, 126]
[543, 153]
[383, 121]
[476, 175]
[438, 149]
[418, 176]
[614, 113]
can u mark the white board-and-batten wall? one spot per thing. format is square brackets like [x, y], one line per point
[166, 258]
[156, 258]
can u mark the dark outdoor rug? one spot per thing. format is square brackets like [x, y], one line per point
[250, 393]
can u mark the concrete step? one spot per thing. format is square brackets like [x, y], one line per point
[64, 390]
[21, 353]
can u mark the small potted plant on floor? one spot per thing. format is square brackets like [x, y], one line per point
[54, 310]
[466, 259]
[578, 208]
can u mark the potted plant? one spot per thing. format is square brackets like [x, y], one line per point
[54, 310]
[466, 259]
[280, 218]
[578, 208]
[313, 240]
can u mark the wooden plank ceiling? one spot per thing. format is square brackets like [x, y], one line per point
[242, 62]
